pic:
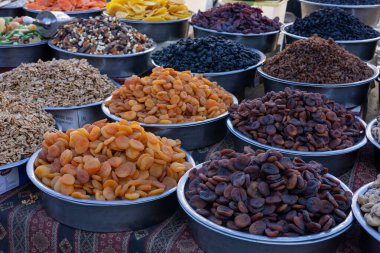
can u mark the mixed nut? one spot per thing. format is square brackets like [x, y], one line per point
[265, 193]
[101, 35]
[370, 204]
[111, 161]
[297, 120]
[376, 130]
[169, 97]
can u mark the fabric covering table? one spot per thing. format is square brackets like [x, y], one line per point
[25, 227]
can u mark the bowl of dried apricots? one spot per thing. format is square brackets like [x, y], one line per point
[108, 177]
[76, 9]
[177, 105]
[161, 20]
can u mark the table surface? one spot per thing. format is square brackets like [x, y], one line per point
[25, 226]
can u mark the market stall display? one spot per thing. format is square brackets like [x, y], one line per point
[347, 30]
[368, 11]
[264, 200]
[322, 66]
[78, 9]
[230, 64]
[21, 132]
[72, 90]
[365, 207]
[300, 124]
[109, 166]
[115, 48]
[161, 20]
[20, 43]
[173, 104]
[239, 22]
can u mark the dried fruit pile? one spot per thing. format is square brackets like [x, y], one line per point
[297, 120]
[58, 83]
[370, 204]
[206, 55]
[152, 10]
[168, 97]
[319, 61]
[265, 193]
[13, 32]
[236, 18]
[101, 35]
[65, 5]
[348, 2]
[22, 128]
[333, 23]
[111, 161]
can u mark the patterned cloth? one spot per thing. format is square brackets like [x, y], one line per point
[26, 228]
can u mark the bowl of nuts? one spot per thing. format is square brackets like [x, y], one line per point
[373, 132]
[108, 177]
[177, 105]
[300, 124]
[266, 201]
[113, 47]
[366, 209]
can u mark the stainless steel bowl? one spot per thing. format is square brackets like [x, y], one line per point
[364, 49]
[193, 135]
[370, 240]
[11, 11]
[77, 116]
[105, 216]
[338, 161]
[234, 81]
[265, 42]
[74, 14]
[112, 65]
[12, 56]
[214, 238]
[368, 14]
[348, 94]
[13, 175]
[369, 135]
[160, 31]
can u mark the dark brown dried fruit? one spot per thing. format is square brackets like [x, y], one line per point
[257, 228]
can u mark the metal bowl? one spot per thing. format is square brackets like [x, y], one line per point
[13, 175]
[112, 65]
[369, 135]
[234, 81]
[12, 56]
[160, 31]
[105, 216]
[368, 14]
[370, 240]
[193, 135]
[74, 14]
[348, 94]
[265, 42]
[214, 238]
[346, 157]
[364, 49]
[11, 11]
[77, 116]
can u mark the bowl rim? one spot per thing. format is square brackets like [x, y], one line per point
[107, 112]
[92, 202]
[358, 213]
[107, 56]
[14, 164]
[247, 140]
[66, 12]
[295, 36]
[33, 44]
[341, 6]
[318, 85]
[74, 107]
[258, 64]
[12, 8]
[307, 239]
[236, 34]
[369, 135]
[137, 21]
